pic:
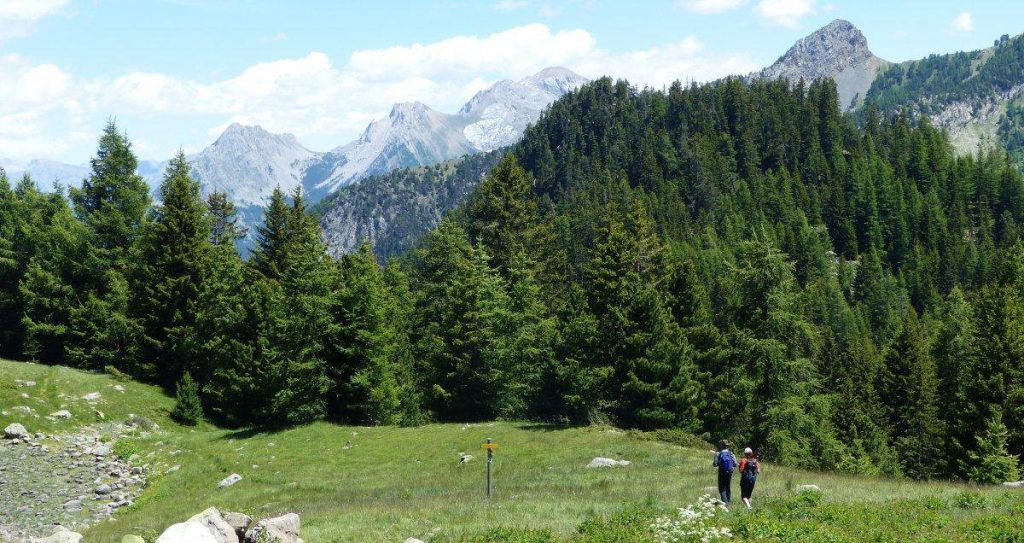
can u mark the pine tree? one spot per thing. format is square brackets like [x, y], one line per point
[224, 227]
[909, 387]
[361, 346]
[188, 410]
[269, 257]
[991, 463]
[172, 254]
[112, 204]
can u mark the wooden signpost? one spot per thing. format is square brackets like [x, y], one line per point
[490, 446]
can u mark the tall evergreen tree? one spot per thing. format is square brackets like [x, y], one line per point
[172, 254]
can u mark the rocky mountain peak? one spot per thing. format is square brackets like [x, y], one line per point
[830, 49]
[837, 50]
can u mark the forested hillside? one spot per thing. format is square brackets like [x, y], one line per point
[733, 260]
[394, 210]
[974, 95]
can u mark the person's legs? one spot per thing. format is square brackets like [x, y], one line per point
[724, 487]
[746, 492]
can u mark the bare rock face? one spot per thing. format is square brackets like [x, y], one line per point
[837, 50]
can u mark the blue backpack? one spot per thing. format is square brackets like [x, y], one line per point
[726, 462]
[750, 471]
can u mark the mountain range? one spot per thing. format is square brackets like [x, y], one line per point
[247, 162]
[976, 96]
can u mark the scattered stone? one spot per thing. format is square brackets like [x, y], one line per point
[103, 449]
[187, 532]
[73, 505]
[1014, 484]
[239, 522]
[172, 469]
[221, 530]
[119, 388]
[283, 529]
[807, 488]
[21, 383]
[60, 535]
[229, 480]
[103, 490]
[132, 539]
[92, 397]
[16, 431]
[601, 462]
[62, 414]
[22, 409]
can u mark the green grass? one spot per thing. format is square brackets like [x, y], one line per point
[386, 484]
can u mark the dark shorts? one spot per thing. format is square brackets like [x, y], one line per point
[746, 488]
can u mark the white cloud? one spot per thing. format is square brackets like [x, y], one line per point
[708, 7]
[316, 98]
[18, 17]
[785, 13]
[963, 22]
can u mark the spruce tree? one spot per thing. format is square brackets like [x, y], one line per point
[991, 463]
[188, 410]
[172, 255]
[361, 346]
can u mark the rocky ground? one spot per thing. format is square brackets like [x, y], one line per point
[71, 480]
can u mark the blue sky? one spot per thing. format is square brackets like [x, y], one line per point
[175, 72]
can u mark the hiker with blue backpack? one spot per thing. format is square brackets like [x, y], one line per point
[750, 468]
[725, 461]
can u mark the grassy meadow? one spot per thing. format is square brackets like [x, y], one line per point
[358, 484]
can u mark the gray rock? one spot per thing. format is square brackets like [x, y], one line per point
[103, 490]
[132, 539]
[187, 532]
[73, 505]
[1014, 484]
[92, 396]
[283, 529]
[413, 540]
[61, 535]
[807, 488]
[221, 530]
[16, 431]
[229, 480]
[62, 414]
[239, 522]
[601, 462]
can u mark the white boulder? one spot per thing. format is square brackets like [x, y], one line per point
[221, 530]
[283, 529]
[229, 480]
[413, 540]
[187, 532]
[807, 488]
[15, 431]
[62, 414]
[1014, 484]
[60, 535]
[239, 522]
[601, 462]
